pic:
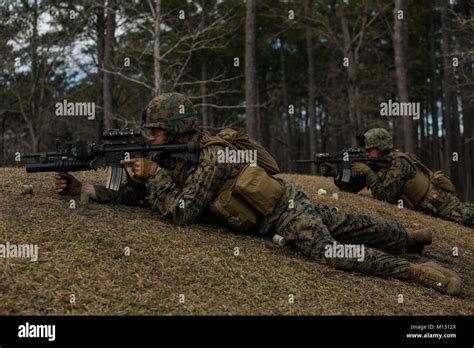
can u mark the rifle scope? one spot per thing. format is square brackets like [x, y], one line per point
[112, 134]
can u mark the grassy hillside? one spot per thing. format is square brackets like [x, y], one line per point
[81, 252]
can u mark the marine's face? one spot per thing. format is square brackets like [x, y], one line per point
[372, 153]
[157, 136]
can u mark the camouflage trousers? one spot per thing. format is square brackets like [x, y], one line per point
[447, 206]
[314, 229]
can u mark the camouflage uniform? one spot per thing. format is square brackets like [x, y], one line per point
[449, 207]
[388, 182]
[187, 187]
[182, 190]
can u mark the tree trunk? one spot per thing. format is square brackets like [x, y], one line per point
[354, 127]
[156, 48]
[307, 137]
[329, 143]
[284, 108]
[468, 124]
[400, 67]
[311, 90]
[468, 110]
[34, 117]
[109, 121]
[212, 119]
[434, 99]
[421, 145]
[203, 84]
[297, 138]
[263, 114]
[204, 101]
[100, 42]
[447, 116]
[251, 121]
[458, 168]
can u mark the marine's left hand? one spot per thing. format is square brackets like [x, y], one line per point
[142, 167]
[360, 168]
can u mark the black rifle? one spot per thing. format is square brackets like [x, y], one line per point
[121, 144]
[345, 160]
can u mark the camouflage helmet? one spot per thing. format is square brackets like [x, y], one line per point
[378, 138]
[172, 112]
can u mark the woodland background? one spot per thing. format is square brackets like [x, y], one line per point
[272, 67]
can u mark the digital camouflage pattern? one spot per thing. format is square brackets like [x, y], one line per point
[449, 207]
[172, 112]
[378, 138]
[311, 227]
[387, 183]
[182, 194]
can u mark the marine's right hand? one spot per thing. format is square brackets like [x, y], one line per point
[67, 185]
[328, 169]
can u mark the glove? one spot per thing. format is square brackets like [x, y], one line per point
[360, 168]
[328, 169]
[142, 167]
[67, 185]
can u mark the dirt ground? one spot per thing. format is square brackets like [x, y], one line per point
[174, 270]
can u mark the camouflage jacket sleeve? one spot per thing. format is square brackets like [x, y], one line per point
[389, 187]
[130, 193]
[183, 205]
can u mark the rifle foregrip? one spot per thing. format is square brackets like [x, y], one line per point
[58, 166]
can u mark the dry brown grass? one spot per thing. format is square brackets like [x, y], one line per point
[81, 252]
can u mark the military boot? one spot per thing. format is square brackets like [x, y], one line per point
[416, 240]
[437, 277]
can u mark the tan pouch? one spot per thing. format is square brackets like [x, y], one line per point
[233, 211]
[443, 182]
[258, 188]
[432, 202]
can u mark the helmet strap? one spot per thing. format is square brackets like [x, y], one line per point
[143, 117]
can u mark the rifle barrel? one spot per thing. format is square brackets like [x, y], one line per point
[41, 154]
[146, 147]
[320, 160]
[58, 166]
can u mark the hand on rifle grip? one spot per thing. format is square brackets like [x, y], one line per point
[67, 185]
[328, 169]
[141, 167]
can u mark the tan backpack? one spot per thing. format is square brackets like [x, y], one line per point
[241, 141]
[437, 178]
